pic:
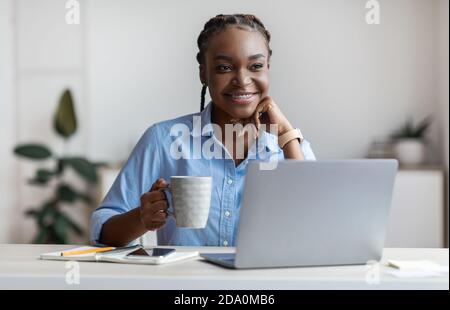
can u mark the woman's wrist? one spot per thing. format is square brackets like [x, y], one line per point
[123, 228]
[282, 129]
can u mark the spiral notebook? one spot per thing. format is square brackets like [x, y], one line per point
[117, 255]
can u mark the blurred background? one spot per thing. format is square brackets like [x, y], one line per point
[77, 93]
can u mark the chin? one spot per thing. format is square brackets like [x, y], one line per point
[240, 111]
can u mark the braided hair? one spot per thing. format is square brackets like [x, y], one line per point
[219, 23]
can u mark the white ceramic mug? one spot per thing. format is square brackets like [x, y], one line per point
[190, 200]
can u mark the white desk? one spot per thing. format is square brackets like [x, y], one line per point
[20, 268]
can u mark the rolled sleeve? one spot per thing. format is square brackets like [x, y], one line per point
[98, 218]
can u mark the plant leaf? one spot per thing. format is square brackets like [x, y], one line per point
[100, 164]
[83, 167]
[32, 213]
[65, 120]
[66, 193]
[41, 237]
[61, 228]
[33, 151]
[85, 198]
[72, 225]
[60, 166]
[44, 174]
[36, 182]
[45, 214]
[422, 127]
[42, 177]
[409, 130]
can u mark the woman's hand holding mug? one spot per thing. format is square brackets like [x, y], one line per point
[154, 205]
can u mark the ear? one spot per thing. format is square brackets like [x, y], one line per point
[202, 73]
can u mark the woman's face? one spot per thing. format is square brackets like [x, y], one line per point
[236, 71]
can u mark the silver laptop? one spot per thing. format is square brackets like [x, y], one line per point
[313, 213]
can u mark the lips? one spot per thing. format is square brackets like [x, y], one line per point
[241, 97]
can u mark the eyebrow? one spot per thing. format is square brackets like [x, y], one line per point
[229, 58]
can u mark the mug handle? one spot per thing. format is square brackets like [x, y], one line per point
[166, 190]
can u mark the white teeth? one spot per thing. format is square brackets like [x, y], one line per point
[242, 96]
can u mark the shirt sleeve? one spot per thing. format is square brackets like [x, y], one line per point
[136, 177]
[307, 150]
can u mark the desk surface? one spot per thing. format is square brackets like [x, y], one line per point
[21, 268]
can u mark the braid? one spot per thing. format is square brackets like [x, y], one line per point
[219, 23]
[202, 96]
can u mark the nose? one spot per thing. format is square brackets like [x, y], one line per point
[241, 79]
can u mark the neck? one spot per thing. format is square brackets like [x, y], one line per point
[221, 119]
[217, 117]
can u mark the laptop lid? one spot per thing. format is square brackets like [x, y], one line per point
[312, 213]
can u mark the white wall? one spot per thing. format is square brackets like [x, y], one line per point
[48, 57]
[442, 81]
[132, 63]
[8, 177]
[348, 82]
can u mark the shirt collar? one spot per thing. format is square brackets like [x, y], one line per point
[202, 125]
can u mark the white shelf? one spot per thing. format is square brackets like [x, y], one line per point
[417, 217]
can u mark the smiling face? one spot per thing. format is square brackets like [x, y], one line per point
[236, 71]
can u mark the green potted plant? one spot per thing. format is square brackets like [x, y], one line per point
[54, 225]
[409, 142]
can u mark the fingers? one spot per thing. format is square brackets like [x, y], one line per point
[266, 105]
[160, 183]
[159, 206]
[154, 195]
[256, 119]
[154, 205]
[154, 208]
[159, 216]
[153, 224]
[157, 225]
[263, 107]
[153, 215]
[257, 114]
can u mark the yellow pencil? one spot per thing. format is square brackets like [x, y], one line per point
[93, 250]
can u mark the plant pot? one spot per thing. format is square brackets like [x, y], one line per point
[410, 151]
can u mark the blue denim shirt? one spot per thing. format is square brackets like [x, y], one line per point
[152, 158]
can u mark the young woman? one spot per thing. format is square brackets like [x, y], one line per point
[234, 60]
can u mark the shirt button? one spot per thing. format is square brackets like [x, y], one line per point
[230, 181]
[225, 242]
[227, 213]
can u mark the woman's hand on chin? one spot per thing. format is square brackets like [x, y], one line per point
[267, 112]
